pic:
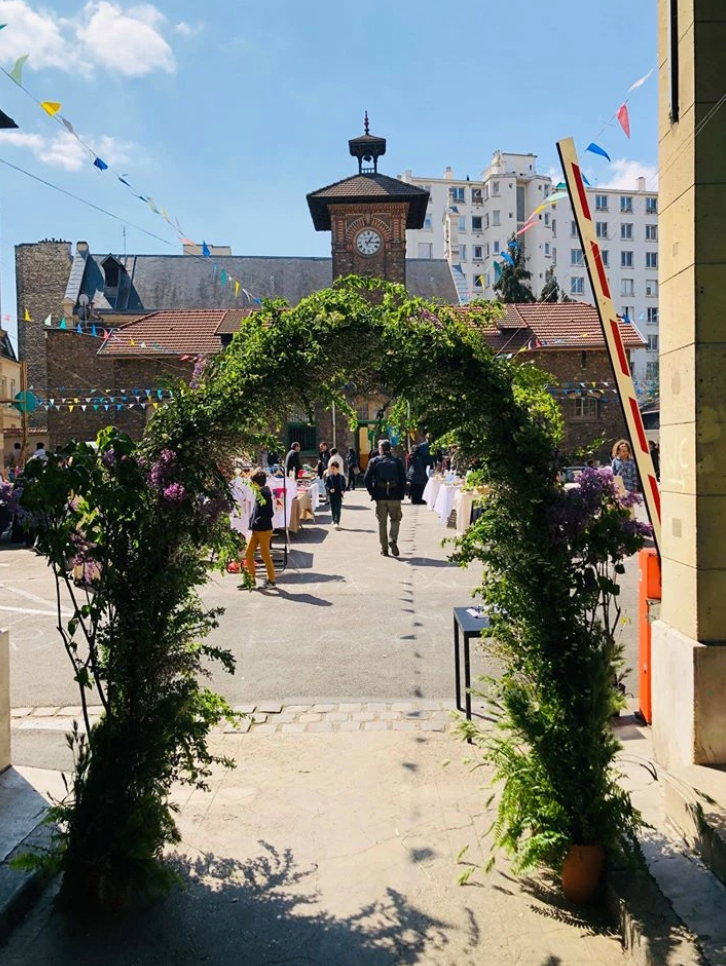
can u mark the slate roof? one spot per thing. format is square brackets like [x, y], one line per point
[6, 347]
[165, 282]
[365, 187]
[190, 332]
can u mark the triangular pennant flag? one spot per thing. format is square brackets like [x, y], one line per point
[101, 165]
[26, 317]
[586, 181]
[150, 203]
[71, 408]
[84, 408]
[131, 342]
[223, 277]
[205, 250]
[94, 333]
[106, 334]
[623, 117]
[143, 345]
[68, 126]
[17, 72]
[512, 244]
[642, 81]
[79, 328]
[596, 149]
[507, 257]
[49, 320]
[164, 215]
[6, 122]
[62, 323]
[236, 288]
[50, 107]
[124, 181]
[3, 26]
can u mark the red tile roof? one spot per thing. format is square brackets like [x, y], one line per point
[181, 332]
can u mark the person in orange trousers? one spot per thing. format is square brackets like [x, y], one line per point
[261, 527]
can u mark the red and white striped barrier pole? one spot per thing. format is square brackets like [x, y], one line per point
[611, 331]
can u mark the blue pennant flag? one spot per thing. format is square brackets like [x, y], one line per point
[596, 149]
[205, 250]
[94, 333]
[508, 258]
[586, 181]
[79, 328]
[101, 165]
[513, 244]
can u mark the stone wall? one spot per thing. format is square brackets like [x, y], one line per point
[4, 700]
[41, 274]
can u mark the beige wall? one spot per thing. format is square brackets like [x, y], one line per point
[4, 700]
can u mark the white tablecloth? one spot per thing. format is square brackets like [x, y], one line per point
[445, 501]
[245, 501]
[431, 492]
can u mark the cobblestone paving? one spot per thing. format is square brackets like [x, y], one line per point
[270, 718]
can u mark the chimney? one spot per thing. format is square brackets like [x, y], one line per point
[81, 248]
[641, 184]
[449, 174]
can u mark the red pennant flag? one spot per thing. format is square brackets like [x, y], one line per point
[106, 334]
[622, 116]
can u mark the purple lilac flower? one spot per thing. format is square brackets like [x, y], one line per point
[174, 494]
[199, 366]
[109, 459]
[164, 469]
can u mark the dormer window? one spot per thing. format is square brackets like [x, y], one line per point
[111, 272]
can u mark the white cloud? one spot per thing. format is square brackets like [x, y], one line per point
[624, 174]
[62, 150]
[189, 30]
[102, 34]
[128, 43]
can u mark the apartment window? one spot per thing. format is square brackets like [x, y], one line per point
[651, 370]
[573, 229]
[496, 217]
[476, 253]
[601, 202]
[651, 206]
[601, 229]
[495, 187]
[476, 198]
[486, 221]
[575, 256]
[486, 250]
[651, 286]
[627, 286]
[496, 248]
[626, 230]
[577, 285]
[456, 194]
[585, 407]
[628, 313]
[547, 219]
[462, 222]
[554, 228]
[651, 233]
[476, 281]
[626, 203]
[653, 343]
[521, 203]
[605, 255]
[554, 256]
[626, 259]
[547, 248]
[583, 360]
[652, 315]
[428, 224]
[651, 259]
[476, 223]
[462, 253]
[425, 250]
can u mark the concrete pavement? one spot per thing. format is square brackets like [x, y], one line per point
[334, 849]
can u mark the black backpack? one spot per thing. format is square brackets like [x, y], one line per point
[387, 472]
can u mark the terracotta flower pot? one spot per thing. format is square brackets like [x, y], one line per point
[581, 872]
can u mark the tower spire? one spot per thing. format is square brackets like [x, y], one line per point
[365, 123]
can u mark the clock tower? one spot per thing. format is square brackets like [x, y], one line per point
[368, 214]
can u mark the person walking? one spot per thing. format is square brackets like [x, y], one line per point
[261, 527]
[14, 462]
[335, 485]
[292, 461]
[623, 465]
[417, 476]
[655, 456]
[353, 467]
[385, 480]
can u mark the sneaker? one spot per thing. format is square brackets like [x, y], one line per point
[337, 526]
[269, 584]
[394, 548]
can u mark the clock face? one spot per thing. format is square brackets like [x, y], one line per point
[368, 241]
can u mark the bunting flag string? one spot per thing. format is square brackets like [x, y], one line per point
[596, 149]
[624, 118]
[50, 107]
[17, 72]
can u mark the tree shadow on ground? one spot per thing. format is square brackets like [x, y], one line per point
[259, 912]
[550, 903]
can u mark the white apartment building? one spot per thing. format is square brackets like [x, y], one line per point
[470, 222]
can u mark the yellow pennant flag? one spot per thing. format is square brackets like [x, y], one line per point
[131, 342]
[50, 107]
[236, 288]
[26, 317]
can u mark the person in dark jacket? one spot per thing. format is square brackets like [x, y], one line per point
[353, 467]
[323, 460]
[385, 480]
[292, 461]
[335, 485]
[416, 475]
[261, 527]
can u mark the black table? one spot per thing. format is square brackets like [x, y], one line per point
[469, 627]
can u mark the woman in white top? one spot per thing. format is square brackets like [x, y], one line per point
[335, 457]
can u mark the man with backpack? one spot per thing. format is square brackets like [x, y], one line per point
[385, 480]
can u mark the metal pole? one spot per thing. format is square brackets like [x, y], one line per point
[334, 420]
[24, 424]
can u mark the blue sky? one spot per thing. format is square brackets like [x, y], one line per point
[228, 113]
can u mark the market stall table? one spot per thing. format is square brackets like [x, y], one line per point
[432, 491]
[469, 626]
[445, 501]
